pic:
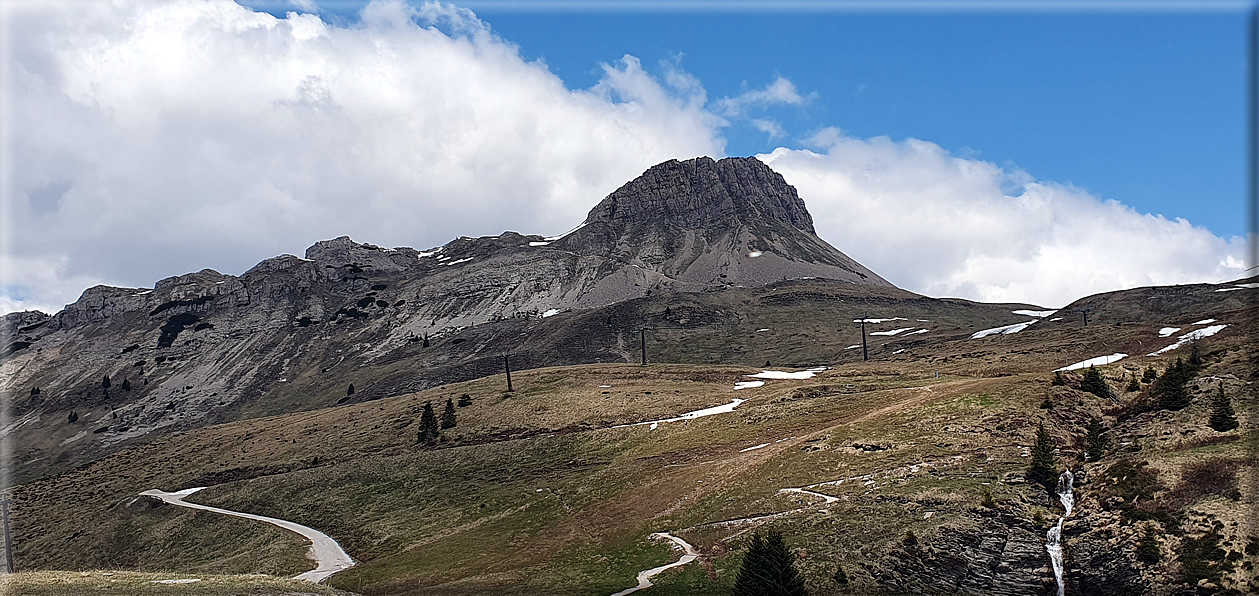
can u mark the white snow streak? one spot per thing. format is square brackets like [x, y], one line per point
[1095, 361]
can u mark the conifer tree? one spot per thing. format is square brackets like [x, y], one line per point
[1044, 467]
[1096, 441]
[465, 400]
[1134, 384]
[126, 385]
[448, 416]
[1058, 380]
[73, 417]
[1223, 418]
[1150, 375]
[105, 382]
[349, 390]
[428, 424]
[1095, 384]
[1170, 388]
[768, 569]
[840, 577]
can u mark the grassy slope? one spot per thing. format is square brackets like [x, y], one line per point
[90, 583]
[531, 494]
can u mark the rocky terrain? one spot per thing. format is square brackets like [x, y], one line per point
[687, 247]
[296, 391]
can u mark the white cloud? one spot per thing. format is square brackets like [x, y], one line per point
[771, 127]
[146, 139]
[942, 225]
[779, 92]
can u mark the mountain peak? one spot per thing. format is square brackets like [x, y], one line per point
[703, 193]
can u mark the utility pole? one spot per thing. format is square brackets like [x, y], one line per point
[1085, 312]
[642, 343]
[507, 367]
[865, 353]
[8, 541]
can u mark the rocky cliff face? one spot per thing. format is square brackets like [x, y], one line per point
[701, 222]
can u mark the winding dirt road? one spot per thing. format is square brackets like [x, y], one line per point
[328, 556]
[644, 577]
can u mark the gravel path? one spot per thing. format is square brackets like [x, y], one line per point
[324, 551]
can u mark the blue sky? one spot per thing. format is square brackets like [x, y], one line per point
[1146, 107]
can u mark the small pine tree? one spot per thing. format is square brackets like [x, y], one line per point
[428, 424]
[1150, 375]
[1148, 550]
[1094, 383]
[768, 568]
[1095, 442]
[840, 577]
[448, 415]
[126, 385]
[1058, 380]
[1195, 356]
[465, 400]
[34, 390]
[73, 417]
[1134, 384]
[1044, 467]
[1170, 389]
[105, 382]
[910, 541]
[349, 390]
[987, 502]
[1223, 418]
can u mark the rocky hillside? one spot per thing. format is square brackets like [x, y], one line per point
[683, 247]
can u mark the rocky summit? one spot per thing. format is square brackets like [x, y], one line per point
[704, 222]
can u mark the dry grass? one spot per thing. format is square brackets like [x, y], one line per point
[131, 583]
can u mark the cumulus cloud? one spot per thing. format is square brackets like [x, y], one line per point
[151, 138]
[778, 92]
[943, 225]
[147, 139]
[769, 126]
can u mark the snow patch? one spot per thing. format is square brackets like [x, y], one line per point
[879, 320]
[722, 409]
[853, 346]
[463, 260]
[755, 253]
[539, 243]
[1239, 287]
[782, 374]
[1167, 331]
[1034, 313]
[760, 330]
[550, 312]
[143, 293]
[892, 332]
[916, 332]
[747, 384]
[1116, 357]
[1191, 336]
[428, 253]
[1015, 328]
[754, 448]
[1203, 322]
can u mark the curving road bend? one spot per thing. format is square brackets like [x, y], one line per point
[644, 577]
[328, 556]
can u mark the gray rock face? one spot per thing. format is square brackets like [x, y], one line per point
[702, 223]
[1002, 555]
[701, 193]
